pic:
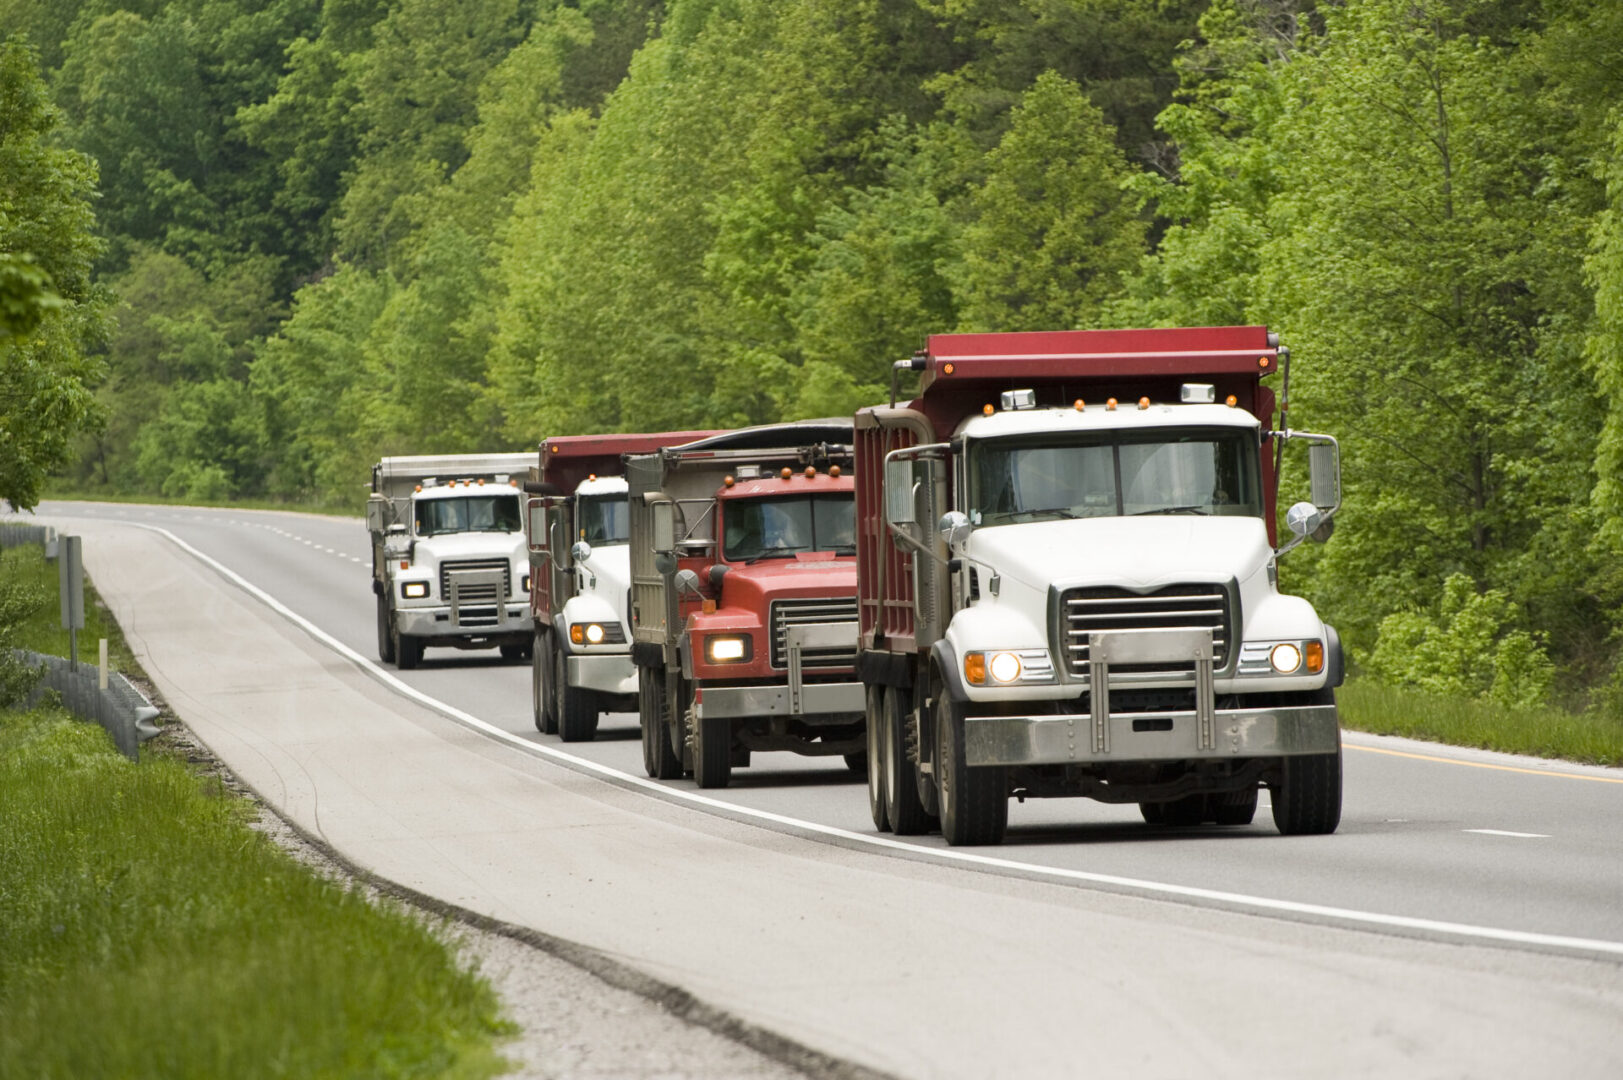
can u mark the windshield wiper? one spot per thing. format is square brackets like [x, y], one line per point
[774, 553]
[1197, 509]
[1058, 512]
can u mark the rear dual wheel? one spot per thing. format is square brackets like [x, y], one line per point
[659, 757]
[541, 703]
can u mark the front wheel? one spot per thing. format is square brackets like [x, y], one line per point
[577, 708]
[974, 800]
[546, 719]
[712, 749]
[408, 651]
[1307, 799]
[385, 631]
[878, 762]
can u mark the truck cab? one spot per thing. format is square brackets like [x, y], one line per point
[448, 555]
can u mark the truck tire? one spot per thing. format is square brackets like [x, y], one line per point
[546, 717]
[1307, 799]
[659, 757]
[974, 802]
[1234, 807]
[1154, 813]
[577, 708]
[712, 749]
[1189, 810]
[385, 631]
[408, 651]
[878, 761]
[902, 804]
[514, 652]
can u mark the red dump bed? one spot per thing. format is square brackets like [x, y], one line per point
[569, 459]
[960, 374]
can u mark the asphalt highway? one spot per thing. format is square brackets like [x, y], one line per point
[1466, 919]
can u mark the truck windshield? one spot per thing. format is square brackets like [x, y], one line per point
[777, 528]
[472, 513]
[603, 521]
[1163, 472]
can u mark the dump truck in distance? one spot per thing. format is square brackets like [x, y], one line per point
[576, 525]
[1068, 587]
[743, 600]
[448, 561]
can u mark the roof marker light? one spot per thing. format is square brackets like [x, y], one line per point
[728, 481]
[419, 487]
[834, 470]
[1080, 404]
[987, 409]
[811, 471]
[1110, 404]
[787, 472]
[1143, 403]
[591, 476]
[1231, 401]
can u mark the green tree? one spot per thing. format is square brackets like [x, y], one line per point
[1052, 231]
[52, 315]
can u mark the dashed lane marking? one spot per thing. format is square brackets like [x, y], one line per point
[1517, 835]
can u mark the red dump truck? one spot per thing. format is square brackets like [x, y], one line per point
[576, 528]
[1067, 584]
[743, 601]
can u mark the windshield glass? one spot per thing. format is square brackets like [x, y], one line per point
[777, 528]
[1165, 472]
[603, 520]
[472, 513]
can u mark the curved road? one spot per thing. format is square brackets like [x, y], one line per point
[1466, 919]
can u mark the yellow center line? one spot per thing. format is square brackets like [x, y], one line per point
[1485, 765]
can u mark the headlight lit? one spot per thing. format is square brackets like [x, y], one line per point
[586, 633]
[526, 582]
[1005, 667]
[726, 648]
[414, 590]
[1285, 658]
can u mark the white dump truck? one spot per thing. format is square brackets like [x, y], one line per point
[449, 565]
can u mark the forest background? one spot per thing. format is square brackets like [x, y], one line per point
[247, 247]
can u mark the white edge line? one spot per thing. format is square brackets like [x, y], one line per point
[1506, 832]
[1156, 888]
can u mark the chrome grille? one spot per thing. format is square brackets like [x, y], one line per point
[1085, 611]
[834, 609]
[481, 594]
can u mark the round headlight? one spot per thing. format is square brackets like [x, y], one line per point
[1005, 667]
[1286, 658]
[594, 634]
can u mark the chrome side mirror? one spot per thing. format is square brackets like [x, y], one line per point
[581, 551]
[1304, 519]
[687, 581]
[954, 527]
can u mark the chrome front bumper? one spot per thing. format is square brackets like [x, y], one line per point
[613, 673]
[434, 622]
[1078, 737]
[832, 702]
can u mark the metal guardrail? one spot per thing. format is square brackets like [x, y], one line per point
[13, 534]
[121, 709]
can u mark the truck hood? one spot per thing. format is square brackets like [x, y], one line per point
[610, 565]
[472, 545]
[757, 585]
[1133, 552]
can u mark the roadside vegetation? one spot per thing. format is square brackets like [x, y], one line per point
[146, 929]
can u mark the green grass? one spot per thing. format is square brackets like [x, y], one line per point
[1544, 732]
[146, 930]
[42, 632]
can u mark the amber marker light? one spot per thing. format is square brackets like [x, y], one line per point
[405, 564]
[1110, 403]
[1315, 657]
[1079, 403]
[1143, 403]
[419, 487]
[1231, 401]
[811, 471]
[512, 483]
[728, 481]
[946, 369]
[975, 668]
[787, 472]
[708, 606]
[834, 470]
[1262, 361]
[987, 409]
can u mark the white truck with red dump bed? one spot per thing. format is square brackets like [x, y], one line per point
[448, 560]
[1068, 585]
[580, 568]
[743, 599]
